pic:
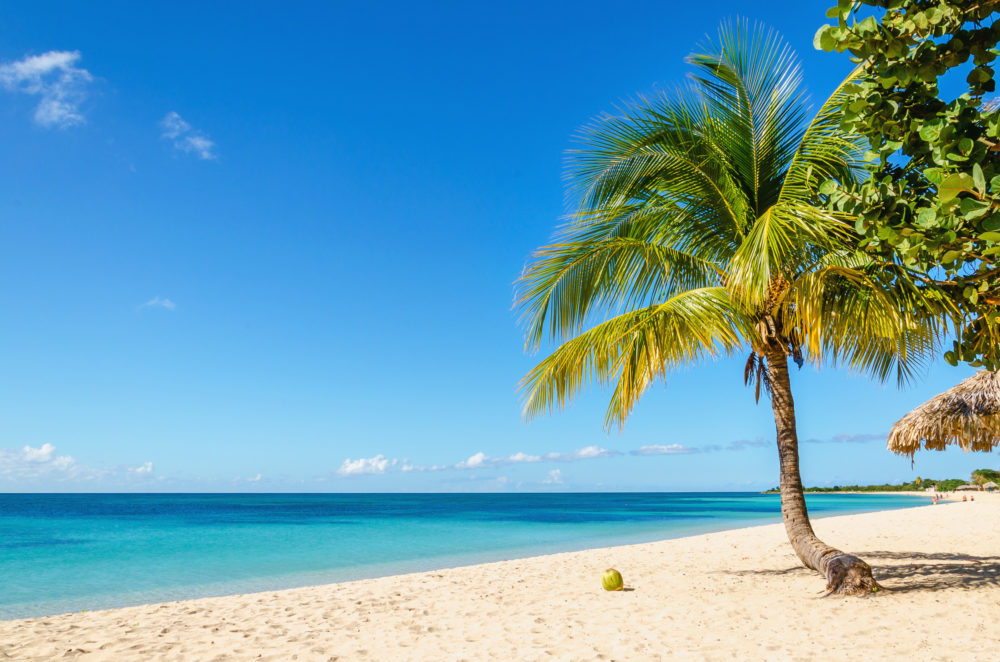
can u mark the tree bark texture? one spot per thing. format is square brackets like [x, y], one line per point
[845, 574]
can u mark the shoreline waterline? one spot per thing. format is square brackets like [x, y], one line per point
[746, 582]
[111, 551]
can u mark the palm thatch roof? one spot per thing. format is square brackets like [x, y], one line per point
[990, 485]
[967, 415]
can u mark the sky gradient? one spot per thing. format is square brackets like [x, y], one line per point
[275, 250]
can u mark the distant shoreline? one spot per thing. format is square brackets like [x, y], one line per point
[865, 492]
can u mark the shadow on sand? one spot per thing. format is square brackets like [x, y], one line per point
[903, 572]
[919, 571]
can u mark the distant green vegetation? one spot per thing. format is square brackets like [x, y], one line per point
[979, 476]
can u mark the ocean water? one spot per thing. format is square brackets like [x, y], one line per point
[67, 552]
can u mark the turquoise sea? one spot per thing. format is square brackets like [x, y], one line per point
[67, 552]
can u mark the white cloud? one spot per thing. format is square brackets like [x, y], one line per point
[680, 449]
[475, 462]
[480, 460]
[42, 454]
[62, 463]
[848, 439]
[173, 126]
[585, 453]
[592, 451]
[157, 302]
[41, 467]
[363, 466]
[660, 449]
[30, 463]
[255, 479]
[55, 80]
[742, 444]
[186, 139]
[554, 478]
[200, 145]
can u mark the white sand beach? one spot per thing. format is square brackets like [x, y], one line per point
[735, 595]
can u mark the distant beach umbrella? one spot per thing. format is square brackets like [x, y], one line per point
[990, 486]
[967, 415]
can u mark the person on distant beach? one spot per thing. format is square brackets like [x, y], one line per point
[964, 498]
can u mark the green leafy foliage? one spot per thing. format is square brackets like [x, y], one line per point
[942, 486]
[979, 476]
[931, 207]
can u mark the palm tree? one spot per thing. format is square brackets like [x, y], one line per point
[701, 231]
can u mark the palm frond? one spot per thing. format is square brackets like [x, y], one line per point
[633, 349]
[825, 151]
[568, 280]
[752, 83]
[851, 314]
[780, 245]
[657, 148]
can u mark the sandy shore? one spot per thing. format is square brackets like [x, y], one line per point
[735, 595]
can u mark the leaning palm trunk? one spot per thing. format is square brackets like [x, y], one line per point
[845, 574]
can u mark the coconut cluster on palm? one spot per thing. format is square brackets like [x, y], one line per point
[702, 223]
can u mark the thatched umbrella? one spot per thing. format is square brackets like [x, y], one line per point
[967, 415]
[990, 485]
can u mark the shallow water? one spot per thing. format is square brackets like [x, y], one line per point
[67, 552]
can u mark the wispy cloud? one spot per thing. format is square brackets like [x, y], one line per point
[41, 454]
[29, 462]
[365, 466]
[480, 460]
[849, 439]
[476, 461]
[660, 449]
[186, 139]
[157, 302]
[554, 478]
[55, 79]
[29, 465]
[737, 445]
[743, 444]
[585, 453]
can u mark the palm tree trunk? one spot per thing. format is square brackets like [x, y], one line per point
[845, 574]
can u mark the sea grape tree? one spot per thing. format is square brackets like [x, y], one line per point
[931, 208]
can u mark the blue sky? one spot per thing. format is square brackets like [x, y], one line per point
[275, 250]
